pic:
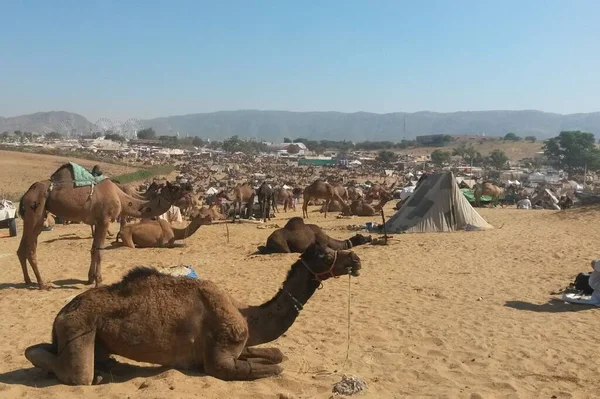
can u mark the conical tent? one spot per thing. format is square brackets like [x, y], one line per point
[436, 205]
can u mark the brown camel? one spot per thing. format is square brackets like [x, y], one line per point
[286, 197]
[182, 322]
[334, 206]
[188, 201]
[354, 193]
[489, 189]
[319, 189]
[341, 190]
[94, 205]
[212, 210]
[362, 208]
[242, 194]
[296, 236]
[159, 233]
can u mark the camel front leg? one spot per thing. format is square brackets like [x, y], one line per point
[326, 207]
[221, 362]
[272, 355]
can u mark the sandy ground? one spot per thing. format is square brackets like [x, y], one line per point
[463, 314]
[19, 170]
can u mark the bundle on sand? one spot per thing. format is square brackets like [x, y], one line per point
[349, 385]
[178, 271]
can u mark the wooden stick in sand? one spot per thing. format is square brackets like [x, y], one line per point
[385, 237]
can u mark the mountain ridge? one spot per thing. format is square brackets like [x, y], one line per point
[333, 125]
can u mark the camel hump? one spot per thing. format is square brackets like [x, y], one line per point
[294, 223]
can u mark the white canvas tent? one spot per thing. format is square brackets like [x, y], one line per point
[436, 205]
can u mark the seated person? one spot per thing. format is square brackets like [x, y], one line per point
[525, 203]
[595, 281]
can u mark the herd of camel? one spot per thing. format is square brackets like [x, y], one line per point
[205, 328]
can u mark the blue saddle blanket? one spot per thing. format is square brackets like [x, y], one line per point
[81, 176]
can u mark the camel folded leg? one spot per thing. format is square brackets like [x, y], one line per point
[272, 355]
[74, 365]
[220, 362]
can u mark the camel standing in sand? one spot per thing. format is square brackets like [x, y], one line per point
[159, 233]
[265, 201]
[319, 189]
[243, 194]
[296, 236]
[188, 201]
[489, 189]
[182, 322]
[286, 197]
[94, 205]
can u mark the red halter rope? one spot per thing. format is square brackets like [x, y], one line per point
[329, 273]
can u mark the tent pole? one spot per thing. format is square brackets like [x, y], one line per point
[385, 237]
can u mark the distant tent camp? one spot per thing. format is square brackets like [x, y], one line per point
[437, 205]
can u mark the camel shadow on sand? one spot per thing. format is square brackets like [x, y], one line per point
[67, 284]
[67, 237]
[552, 306]
[119, 373]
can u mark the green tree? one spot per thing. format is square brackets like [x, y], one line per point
[573, 150]
[114, 137]
[52, 135]
[498, 159]
[287, 140]
[198, 142]
[511, 137]
[146, 134]
[533, 139]
[4, 136]
[439, 157]
[460, 151]
[386, 157]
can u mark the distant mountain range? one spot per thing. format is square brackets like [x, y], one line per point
[360, 126]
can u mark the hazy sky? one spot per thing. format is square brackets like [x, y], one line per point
[159, 58]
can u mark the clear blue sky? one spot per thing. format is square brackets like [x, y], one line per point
[159, 58]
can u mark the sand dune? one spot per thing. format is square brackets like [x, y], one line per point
[464, 314]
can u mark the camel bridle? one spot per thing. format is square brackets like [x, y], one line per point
[324, 275]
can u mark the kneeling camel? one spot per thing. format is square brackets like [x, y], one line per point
[296, 236]
[182, 322]
[159, 233]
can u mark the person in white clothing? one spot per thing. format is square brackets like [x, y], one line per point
[524, 203]
[594, 281]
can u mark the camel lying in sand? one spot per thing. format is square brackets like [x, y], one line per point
[159, 233]
[296, 236]
[182, 322]
[362, 208]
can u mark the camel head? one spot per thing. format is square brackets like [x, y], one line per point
[204, 217]
[170, 192]
[359, 239]
[324, 262]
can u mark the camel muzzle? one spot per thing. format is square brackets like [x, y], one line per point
[354, 269]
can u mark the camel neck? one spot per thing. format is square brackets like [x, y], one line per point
[272, 319]
[142, 208]
[180, 234]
